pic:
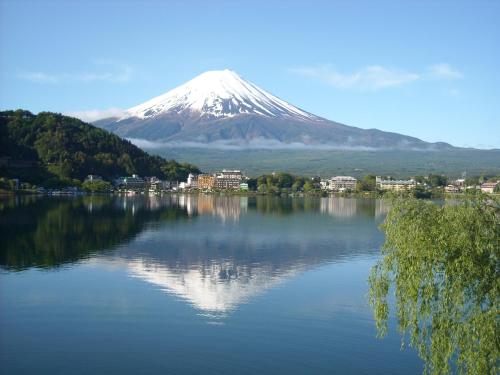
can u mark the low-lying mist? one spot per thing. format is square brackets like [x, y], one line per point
[265, 144]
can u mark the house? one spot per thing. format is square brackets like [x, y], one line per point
[452, 189]
[489, 187]
[396, 185]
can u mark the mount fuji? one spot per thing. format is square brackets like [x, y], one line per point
[220, 108]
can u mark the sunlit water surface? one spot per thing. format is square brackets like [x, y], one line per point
[192, 285]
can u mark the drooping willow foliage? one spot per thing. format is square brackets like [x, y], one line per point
[442, 262]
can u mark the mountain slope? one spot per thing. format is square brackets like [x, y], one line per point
[218, 94]
[220, 108]
[327, 163]
[52, 146]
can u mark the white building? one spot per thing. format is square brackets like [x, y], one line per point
[396, 185]
[489, 187]
[192, 181]
[132, 182]
[228, 179]
[156, 184]
[343, 183]
[452, 189]
[339, 183]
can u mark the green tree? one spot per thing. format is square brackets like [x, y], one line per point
[252, 184]
[308, 186]
[97, 186]
[297, 185]
[420, 192]
[472, 181]
[262, 188]
[419, 179]
[367, 183]
[284, 180]
[436, 180]
[443, 263]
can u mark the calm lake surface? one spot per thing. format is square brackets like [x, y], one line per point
[192, 284]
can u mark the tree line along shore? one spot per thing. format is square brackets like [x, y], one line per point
[279, 183]
[49, 153]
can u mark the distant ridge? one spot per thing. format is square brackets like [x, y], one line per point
[221, 109]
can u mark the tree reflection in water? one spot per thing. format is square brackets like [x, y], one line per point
[443, 263]
[52, 232]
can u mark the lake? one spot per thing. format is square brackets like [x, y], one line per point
[186, 284]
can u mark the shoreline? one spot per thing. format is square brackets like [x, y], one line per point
[319, 194]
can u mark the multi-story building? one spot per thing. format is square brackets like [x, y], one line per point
[130, 182]
[339, 183]
[342, 183]
[156, 184]
[396, 185]
[174, 185]
[206, 181]
[228, 179]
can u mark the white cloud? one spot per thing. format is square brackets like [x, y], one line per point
[39, 77]
[376, 77]
[372, 77]
[96, 114]
[444, 71]
[104, 71]
[261, 144]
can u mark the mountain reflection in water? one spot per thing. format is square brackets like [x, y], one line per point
[215, 252]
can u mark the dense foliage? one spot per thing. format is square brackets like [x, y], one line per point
[280, 182]
[443, 263]
[63, 148]
[367, 183]
[97, 186]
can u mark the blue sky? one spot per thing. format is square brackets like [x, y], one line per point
[429, 69]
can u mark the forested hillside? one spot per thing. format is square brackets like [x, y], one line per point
[50, 147]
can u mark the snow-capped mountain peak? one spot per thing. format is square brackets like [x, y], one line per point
[219, 94]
